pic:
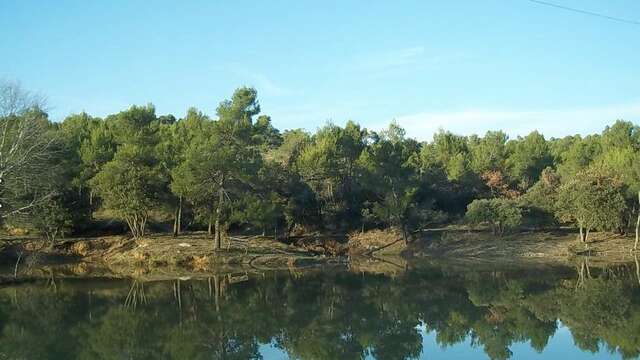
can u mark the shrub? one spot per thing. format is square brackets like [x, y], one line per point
[502, 215]
[593, 199]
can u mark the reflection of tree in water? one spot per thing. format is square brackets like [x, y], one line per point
[635, 257]
[319, 316]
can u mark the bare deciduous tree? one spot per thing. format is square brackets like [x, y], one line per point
[25, 148]
[14, 100]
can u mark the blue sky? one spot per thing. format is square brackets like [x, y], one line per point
[466, 66]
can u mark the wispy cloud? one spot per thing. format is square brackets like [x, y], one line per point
[265, 84]
[405, 60]
[391, 59]
[550, 122]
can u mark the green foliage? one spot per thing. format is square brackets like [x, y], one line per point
[96, 150]
[488, 153]
[449, 152]
[221, 161]
[131, 183]
[621, 155]
[622, 134]
[236, 170]
[262, 212]
[293, 142]
[137, 125]
[446, 173]
[59, 214]
[129, 186]
[328, 166]
[388, 172]
[75, 130]
[528, 156]
[502, 215]
[578, 155]
[541, 199]
[52, 219]
[265, 134]
[593, 199]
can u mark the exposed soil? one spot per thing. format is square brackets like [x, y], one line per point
[551, 247]
[161, 256]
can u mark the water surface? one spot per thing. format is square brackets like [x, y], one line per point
[427, 312]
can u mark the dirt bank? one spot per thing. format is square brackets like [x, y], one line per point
[376, 243]
[551, 247]
[161, 256]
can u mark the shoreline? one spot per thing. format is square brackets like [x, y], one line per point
[161, 256]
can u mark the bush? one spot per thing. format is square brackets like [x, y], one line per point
[540, 201]
[502, 215]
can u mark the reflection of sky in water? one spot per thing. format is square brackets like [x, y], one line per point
[269, 351]
[560, 346]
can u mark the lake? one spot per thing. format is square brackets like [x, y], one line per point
[425, 312]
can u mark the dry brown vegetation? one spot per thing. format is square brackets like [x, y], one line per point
[378, 242]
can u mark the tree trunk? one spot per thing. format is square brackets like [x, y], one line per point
[217, 238]
[15, 269]
[179, 295]
[178, 219]
[582, 239]
[635, 245]
[216, 289]
[175, 223]
[180, 216]
[209, 232]
[580, 272]
[137, 224]
[635, 257]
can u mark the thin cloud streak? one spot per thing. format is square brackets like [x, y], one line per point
[391, 59]
[402, 62]
[551, 123]
[262, 82]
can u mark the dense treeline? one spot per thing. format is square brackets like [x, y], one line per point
[236, 171]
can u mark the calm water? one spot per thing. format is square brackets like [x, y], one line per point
[424, 313]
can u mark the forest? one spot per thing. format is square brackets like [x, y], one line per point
[233, 171]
